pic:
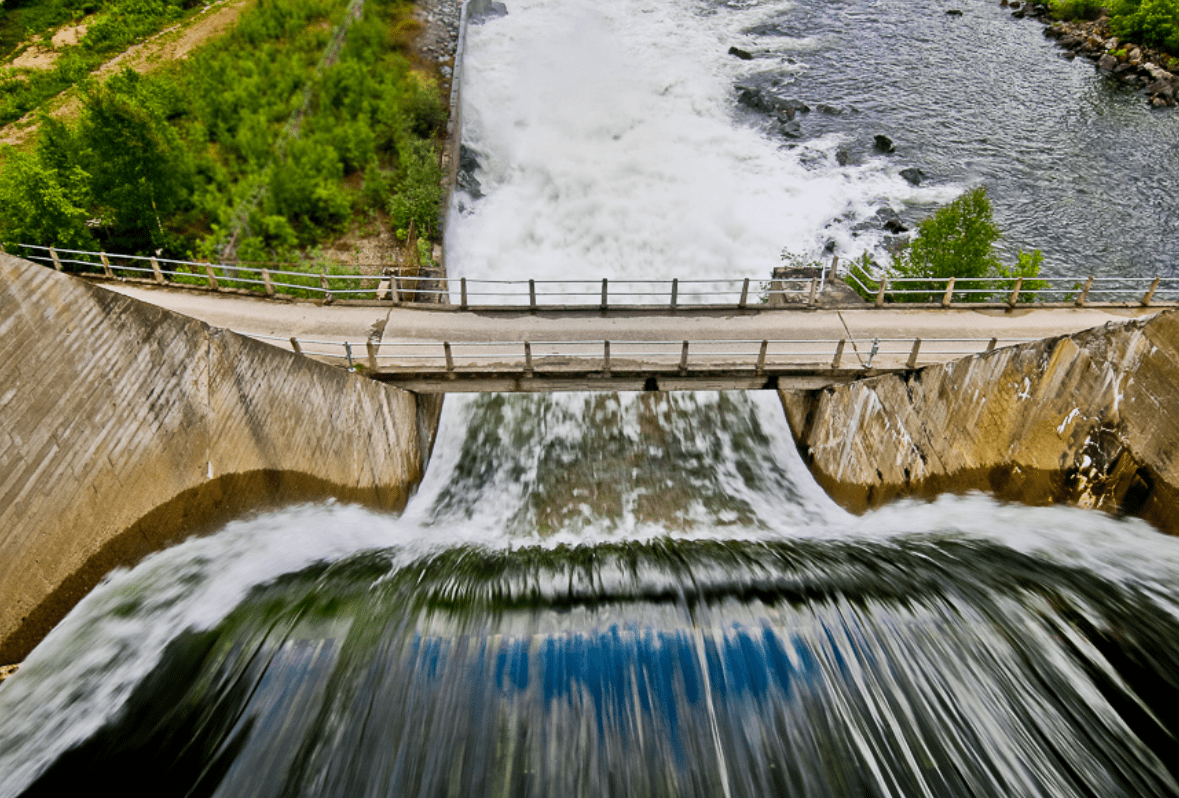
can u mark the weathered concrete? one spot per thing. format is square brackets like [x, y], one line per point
[1090, 419]
[125, 427]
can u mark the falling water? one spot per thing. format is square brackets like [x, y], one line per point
[627, 594]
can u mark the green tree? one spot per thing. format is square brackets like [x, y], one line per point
[419, 196]
[1151, 22]
[138, 167]
[41, 205]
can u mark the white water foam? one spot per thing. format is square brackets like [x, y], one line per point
[612, 146]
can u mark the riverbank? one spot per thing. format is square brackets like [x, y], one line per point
[1153, 71]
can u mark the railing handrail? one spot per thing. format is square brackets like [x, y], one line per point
[425, 288]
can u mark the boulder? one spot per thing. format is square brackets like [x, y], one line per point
[913, 175]
[953, 12]
[1161, 88]
[481, 12]
[842, 157]
[1107, 63]
[830, 110]
[744, 55]
[884, 144]
[791, 129]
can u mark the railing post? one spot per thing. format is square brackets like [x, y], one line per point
[913, 354]
[372, 355]
[323, 283]
[270, 286]
[880, 291]
[106, 265]
[449, 357]
[993, 343]
[761, 356]
[348, 354]
[1146, 300]
[684, 359]
[838, 353]
[606, 357]
[1084, 296]
[744, 294]
[675, 291]
[814, 290]
[604, 303]
[948, 297]
[295, 345]
[155, 271]
[532, 295]
[527, 359]
[1011, 300]
[212, 277]
[872, 354]
[56, 260]
[462, 293]
[394, 289]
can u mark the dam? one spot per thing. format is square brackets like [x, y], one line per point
[595, 593]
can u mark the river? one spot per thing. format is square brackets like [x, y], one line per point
[647, 594]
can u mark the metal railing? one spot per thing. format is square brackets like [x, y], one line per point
[1018, 291]
[528, 357]
[419, 289]
[463, 293]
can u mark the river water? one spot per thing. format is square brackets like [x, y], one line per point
[641, 594]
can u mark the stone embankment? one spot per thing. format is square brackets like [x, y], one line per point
[128, 427]
[1087, 419]
[1154, 72]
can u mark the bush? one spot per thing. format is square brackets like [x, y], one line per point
[419, 197]
[1151, 22]
[1076, 9]
[956, 241]
[40, 205]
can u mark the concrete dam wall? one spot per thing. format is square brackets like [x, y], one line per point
[127, 427]
[1087, 419]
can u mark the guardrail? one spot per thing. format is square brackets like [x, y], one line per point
[1013, 292]
[425, 289]
[429, 289]
[445, 358]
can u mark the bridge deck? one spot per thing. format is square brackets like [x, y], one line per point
[483, 350]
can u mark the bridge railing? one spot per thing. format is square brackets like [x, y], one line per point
[442, 357]
[1013, 292]
[320, 282]
[422, 289]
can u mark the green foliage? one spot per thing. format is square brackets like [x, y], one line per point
[164, 159]
[419, 197]
[41, 204]
[1151, 22]
[1076, 9]
[956, 241]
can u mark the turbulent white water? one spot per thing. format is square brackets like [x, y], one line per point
[611, 147]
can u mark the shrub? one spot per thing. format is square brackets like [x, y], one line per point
[1151, 22]
[1075, 9]
[42, 206]
[419, 197]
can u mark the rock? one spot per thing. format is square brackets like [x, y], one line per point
[830, 110]
[842, 157]
[1014, 5]
[467, 166]
[791, 129]
[1161, 88]
[1135, 57]
[913, 175]
[953, 12]
[786, 114]
[1054, 32]
[895, 226]
[884, 144]
[1158, 102]
[744, 55]
[1019, 14]
[1107, 63]
[1003, 4]
[1070, 42]
[483, 11]
[1111, 43]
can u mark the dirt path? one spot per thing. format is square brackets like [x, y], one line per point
[168, 45]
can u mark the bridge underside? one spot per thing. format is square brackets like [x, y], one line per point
[651, 378]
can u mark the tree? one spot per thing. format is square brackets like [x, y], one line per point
[41, 206]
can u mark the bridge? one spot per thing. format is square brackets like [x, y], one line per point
[426, 334]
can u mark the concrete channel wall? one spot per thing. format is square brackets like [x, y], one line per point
[125, 427]
[1090, 419]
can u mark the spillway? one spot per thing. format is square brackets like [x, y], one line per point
[630, 594]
